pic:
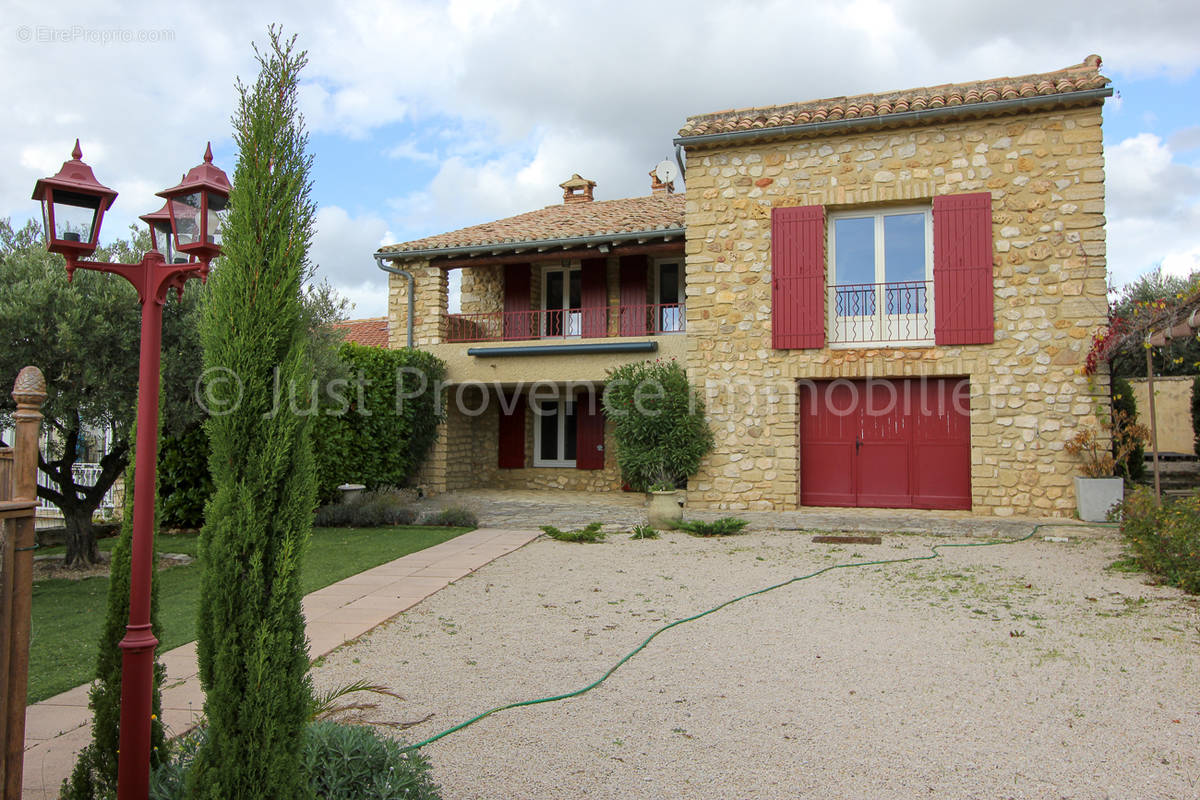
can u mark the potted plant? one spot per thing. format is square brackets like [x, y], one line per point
[1099, 489]
[660, 431]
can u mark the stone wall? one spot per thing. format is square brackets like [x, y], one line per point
[1045, 173]
[466, 454]
[1172, 407]
[429, 317]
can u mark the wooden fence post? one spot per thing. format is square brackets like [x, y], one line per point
[18, 516]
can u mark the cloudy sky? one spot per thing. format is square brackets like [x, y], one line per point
[428, 116]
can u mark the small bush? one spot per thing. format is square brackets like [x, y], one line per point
[590, 533]
[373, 510]
[643, 532]
[1133, 463]
[343, 762]
[724, 526]
[1164, 540]
[658, 423]
[452, 517]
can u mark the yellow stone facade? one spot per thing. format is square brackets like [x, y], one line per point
[1045, 172]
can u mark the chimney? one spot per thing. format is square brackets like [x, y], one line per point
[577, 190]
[657, 186]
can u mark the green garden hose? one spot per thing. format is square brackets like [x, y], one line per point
[933, 554]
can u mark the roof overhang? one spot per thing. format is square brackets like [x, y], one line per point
[927, 116]
[596, 242]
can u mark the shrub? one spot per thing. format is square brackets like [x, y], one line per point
[1099, 461]
[643, 532]
[184, 482]
[658, 423]
[589, 533]
[1164, 540]
[1133, 465]
[724, 526]
[452, 517]
[373, 510]
[342, 762]
[377, 430]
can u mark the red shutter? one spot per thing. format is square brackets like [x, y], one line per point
[634, 311]
[512, 432]
[518, 316]
[962, 269]
[589, 430]
[593, 297]
[798, 277]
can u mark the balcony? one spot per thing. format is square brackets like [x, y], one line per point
[881, 314]
[612, 321]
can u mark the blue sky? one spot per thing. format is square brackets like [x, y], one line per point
[427, 116]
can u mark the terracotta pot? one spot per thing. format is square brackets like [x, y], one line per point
[664, 510]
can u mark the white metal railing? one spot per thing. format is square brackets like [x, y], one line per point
[881, 313]
[85, 475]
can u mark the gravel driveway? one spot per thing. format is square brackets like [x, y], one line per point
[1026, 670]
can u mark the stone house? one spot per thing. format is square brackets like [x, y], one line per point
[885, 299]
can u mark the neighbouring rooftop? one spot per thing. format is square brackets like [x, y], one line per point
[579, 219]
[986, 96]
[372, 332]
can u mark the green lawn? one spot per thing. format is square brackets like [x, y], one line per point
[68, 615]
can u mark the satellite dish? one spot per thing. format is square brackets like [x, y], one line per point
[666, 171]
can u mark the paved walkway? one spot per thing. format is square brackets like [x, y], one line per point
[517, 509]
[58, 728]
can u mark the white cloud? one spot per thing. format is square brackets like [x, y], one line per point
[342, 246]
[1153, 209]
[519, 94]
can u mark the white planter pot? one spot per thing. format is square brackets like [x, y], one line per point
[664, 510]
[1095, 496]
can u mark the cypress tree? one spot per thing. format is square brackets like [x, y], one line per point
[252, 649]
[94, 776]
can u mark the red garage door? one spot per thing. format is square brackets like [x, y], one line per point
[886, 443]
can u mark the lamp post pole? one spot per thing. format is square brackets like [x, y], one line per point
[74, 204]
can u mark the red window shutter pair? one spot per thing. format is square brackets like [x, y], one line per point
[589, 431]
[962, 273]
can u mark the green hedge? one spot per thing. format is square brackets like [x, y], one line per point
[377, 428]
[184, 481]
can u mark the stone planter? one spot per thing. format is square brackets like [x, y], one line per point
[1095, 496]
[351, 492]
[664, 510]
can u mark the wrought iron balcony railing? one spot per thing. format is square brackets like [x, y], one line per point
[881, 313]
[585, 323]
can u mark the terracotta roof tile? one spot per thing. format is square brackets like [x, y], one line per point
[372, 332]
[565, 221]
[1077, 78]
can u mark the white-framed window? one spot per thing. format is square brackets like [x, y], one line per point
[562, 300]
[881, 276]
[554, 432]
[669, 296]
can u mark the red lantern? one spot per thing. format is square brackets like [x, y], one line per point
[197, 207]
[73, 205]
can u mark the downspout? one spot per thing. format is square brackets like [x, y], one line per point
[379, 257]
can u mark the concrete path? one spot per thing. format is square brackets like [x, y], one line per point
[58, 728]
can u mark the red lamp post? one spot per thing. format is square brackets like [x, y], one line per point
[73, 205]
